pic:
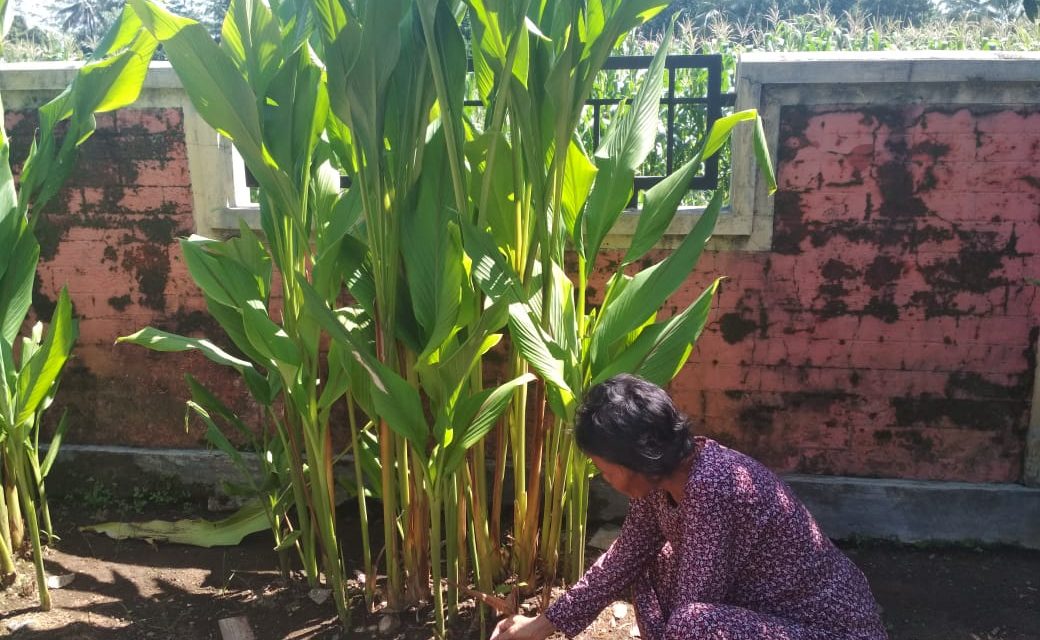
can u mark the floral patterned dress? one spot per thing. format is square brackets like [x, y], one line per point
[740, 558]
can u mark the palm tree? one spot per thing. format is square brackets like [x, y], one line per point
[87, 19]
[995, 9]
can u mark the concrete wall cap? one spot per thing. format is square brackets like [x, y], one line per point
[843, 67]
[55, 76]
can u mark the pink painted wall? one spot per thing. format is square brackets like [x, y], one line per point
[111, 237]
[889, 333]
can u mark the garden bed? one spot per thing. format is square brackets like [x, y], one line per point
[131, 589]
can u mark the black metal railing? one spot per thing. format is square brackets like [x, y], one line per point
[713, 103]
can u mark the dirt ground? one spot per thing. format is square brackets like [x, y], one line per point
[134, 590]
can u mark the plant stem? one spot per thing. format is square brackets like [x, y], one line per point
[435, 556]
[359, 478]
[6, 553]
[34, 536]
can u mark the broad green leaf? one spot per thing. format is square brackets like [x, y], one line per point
[477, 415]
[38, 376]
[495, 277]
[765, 163]
[226, 281]
[337, 381]
[295, 113]
[722, 128]
[55, 445]
[218, 91]
[8, 378]
[251, 38]
[430, 258]
[634, 138]
[399, 404]
[660, 350]
[16, 283]
[537, 348]
[248, 251]
[659, 206]
[9, 214]
[578, 177]
[6, 18]
[216, 437]
[271, 340]
[230, 320]
[228, 532]
[648, 290]
[623, 149]
[213, 406]
[158, 340]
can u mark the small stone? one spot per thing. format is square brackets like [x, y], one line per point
[388, 624]
[19, 624]
[620, 610]
[604, 536]
[320, 596]
[60, 581]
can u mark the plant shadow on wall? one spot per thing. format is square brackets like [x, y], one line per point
[31, 367]
[453, 233]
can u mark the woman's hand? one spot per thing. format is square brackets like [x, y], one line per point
[523, 628]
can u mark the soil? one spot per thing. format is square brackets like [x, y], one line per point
[135, 590]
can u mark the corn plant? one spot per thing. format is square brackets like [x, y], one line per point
[30, 369]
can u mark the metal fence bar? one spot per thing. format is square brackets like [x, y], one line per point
[714, 102]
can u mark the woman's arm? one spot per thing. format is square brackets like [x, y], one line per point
[639, 540]
[523, 628]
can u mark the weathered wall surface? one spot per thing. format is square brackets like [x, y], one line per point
[888, 331]
[111, 237]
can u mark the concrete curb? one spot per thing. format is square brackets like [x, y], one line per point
[889, 509]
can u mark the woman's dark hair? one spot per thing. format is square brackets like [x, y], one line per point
[629, 421]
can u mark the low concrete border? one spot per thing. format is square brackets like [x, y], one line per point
[900, 510]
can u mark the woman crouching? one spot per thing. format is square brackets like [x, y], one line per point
[714, 544]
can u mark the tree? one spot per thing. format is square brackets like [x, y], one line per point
[88, 19]
[994, 9]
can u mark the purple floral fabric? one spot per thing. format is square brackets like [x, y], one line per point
[739, 559]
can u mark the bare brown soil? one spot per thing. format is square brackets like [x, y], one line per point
[134, 590]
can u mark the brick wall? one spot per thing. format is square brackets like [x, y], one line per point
[888, 333]
[111, 237]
